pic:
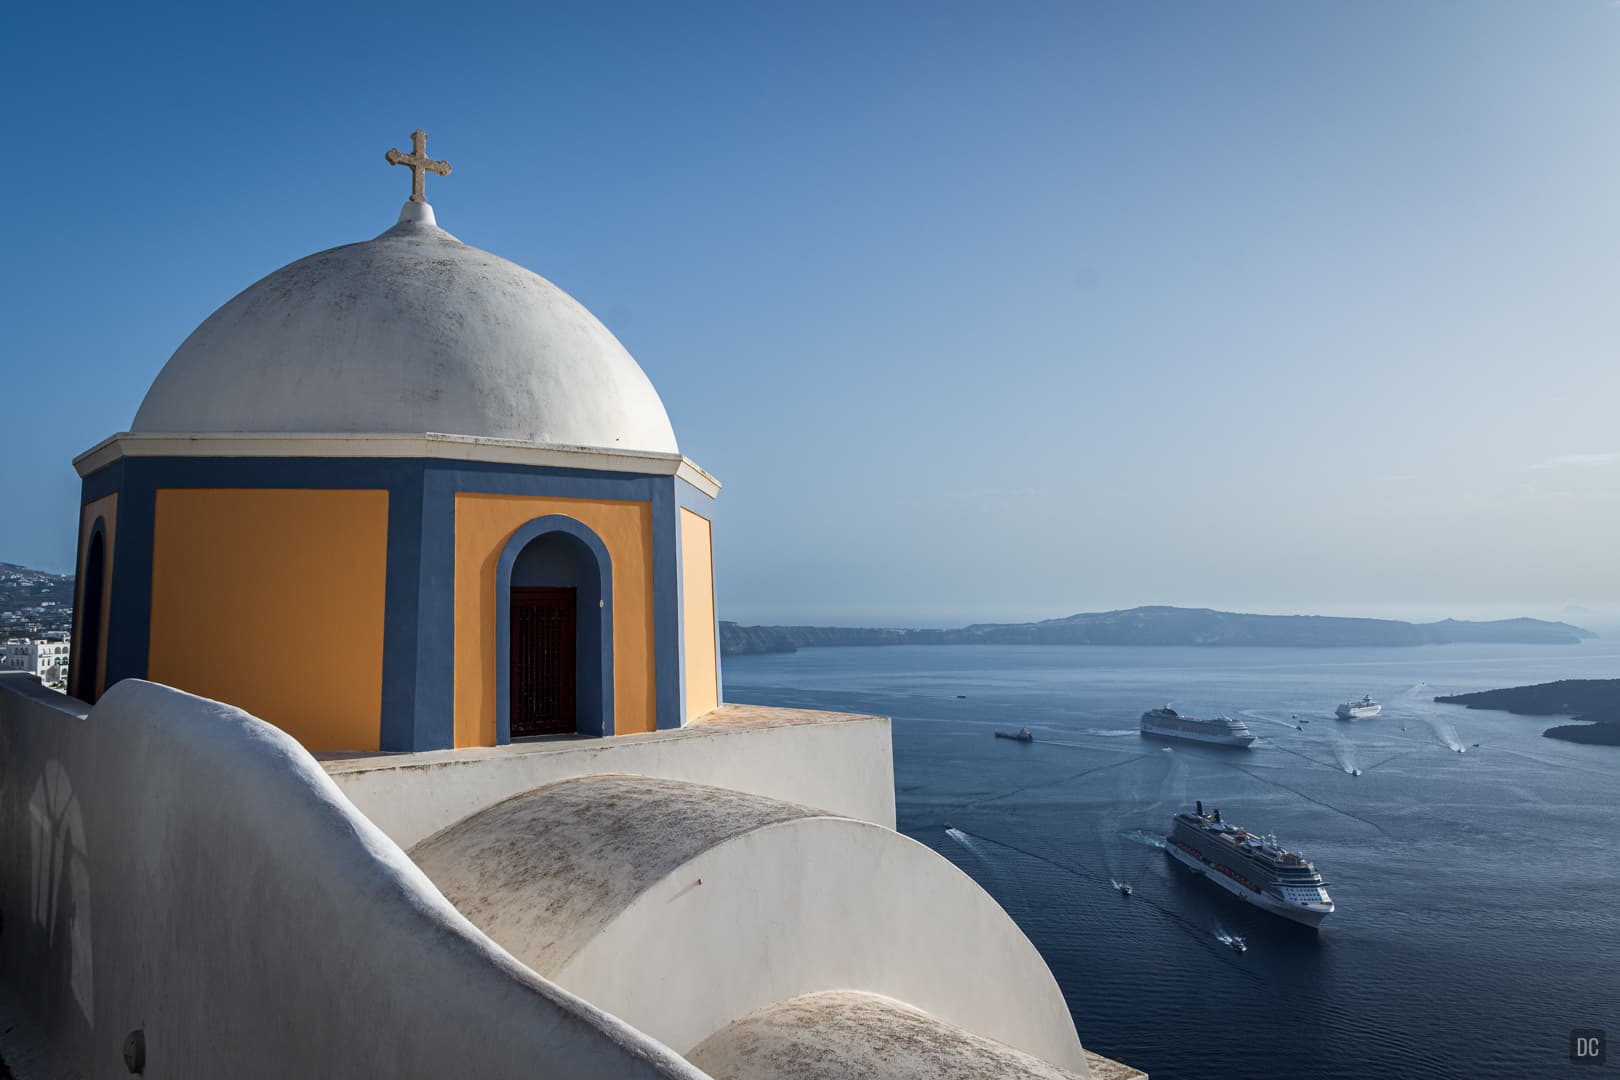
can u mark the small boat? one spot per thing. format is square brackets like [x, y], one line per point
[1476, 746]
[1021, 735]
[1238, 943]
[1355, 772]
[1124, 887]
[1299, 727]
[959, 697]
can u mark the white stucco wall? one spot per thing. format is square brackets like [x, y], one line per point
[844, 765]
[171, 864]
[681, 908]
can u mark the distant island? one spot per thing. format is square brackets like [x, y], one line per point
[1593, 703]
[1162, 626]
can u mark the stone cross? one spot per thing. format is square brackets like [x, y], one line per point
[419, 163]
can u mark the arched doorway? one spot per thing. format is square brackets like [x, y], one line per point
[90, 597]
[557, 668]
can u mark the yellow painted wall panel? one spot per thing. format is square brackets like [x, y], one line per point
[273, 600]
[697, 614]
[484, 524]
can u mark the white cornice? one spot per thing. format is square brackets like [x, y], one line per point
[128, 444]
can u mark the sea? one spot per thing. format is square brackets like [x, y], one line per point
[1475, 863]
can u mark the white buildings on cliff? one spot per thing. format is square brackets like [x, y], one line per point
[44, 658]
[397, 744]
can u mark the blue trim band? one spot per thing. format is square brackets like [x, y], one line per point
[418, 672]
[669, 663]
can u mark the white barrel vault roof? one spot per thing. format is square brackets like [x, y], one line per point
[411, 333]
[682, 907]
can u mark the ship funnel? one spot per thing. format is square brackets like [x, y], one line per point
[1217, 813]
[1200, 807]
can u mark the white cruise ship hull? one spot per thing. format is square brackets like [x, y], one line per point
[1311, 917]
[1215, 738]
[1358, 712]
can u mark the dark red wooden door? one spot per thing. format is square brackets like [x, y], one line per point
[542, 647]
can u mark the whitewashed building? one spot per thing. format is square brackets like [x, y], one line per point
[44, 657]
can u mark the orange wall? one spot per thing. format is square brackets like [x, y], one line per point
[484, 524]
[105, 508]
[272, 600]
[697, 614]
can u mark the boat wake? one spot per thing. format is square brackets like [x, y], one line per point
[1312, 798]
[1143, 837]
[1344, 754]
[1009, 887]
[1264, 719]
[1447, 734]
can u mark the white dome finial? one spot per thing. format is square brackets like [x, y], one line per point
[417, 213]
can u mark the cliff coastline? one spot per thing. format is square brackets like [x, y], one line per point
[1162, 626]
[1594, 705]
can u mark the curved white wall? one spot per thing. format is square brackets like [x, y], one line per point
[817, 904]
[172, 864]
[681, 907]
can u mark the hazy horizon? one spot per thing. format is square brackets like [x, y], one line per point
[1601, 622]
[980, 314]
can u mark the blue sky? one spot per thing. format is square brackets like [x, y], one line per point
[979, 311]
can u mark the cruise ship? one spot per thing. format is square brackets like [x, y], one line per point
[1256, 868]
[1359, 710]
[1223, 730]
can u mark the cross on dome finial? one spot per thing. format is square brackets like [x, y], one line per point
[419, 164]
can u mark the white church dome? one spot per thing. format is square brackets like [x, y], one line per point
[411, 333]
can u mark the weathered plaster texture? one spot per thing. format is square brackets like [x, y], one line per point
[171, 864]
[544, 872]
[411, 332]
[847, 1035]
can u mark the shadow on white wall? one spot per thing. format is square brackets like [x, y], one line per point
[60, 880]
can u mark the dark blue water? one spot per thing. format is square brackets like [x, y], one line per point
[1477, 892]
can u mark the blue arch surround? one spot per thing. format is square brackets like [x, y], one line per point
[90, 626]
[526, 534]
